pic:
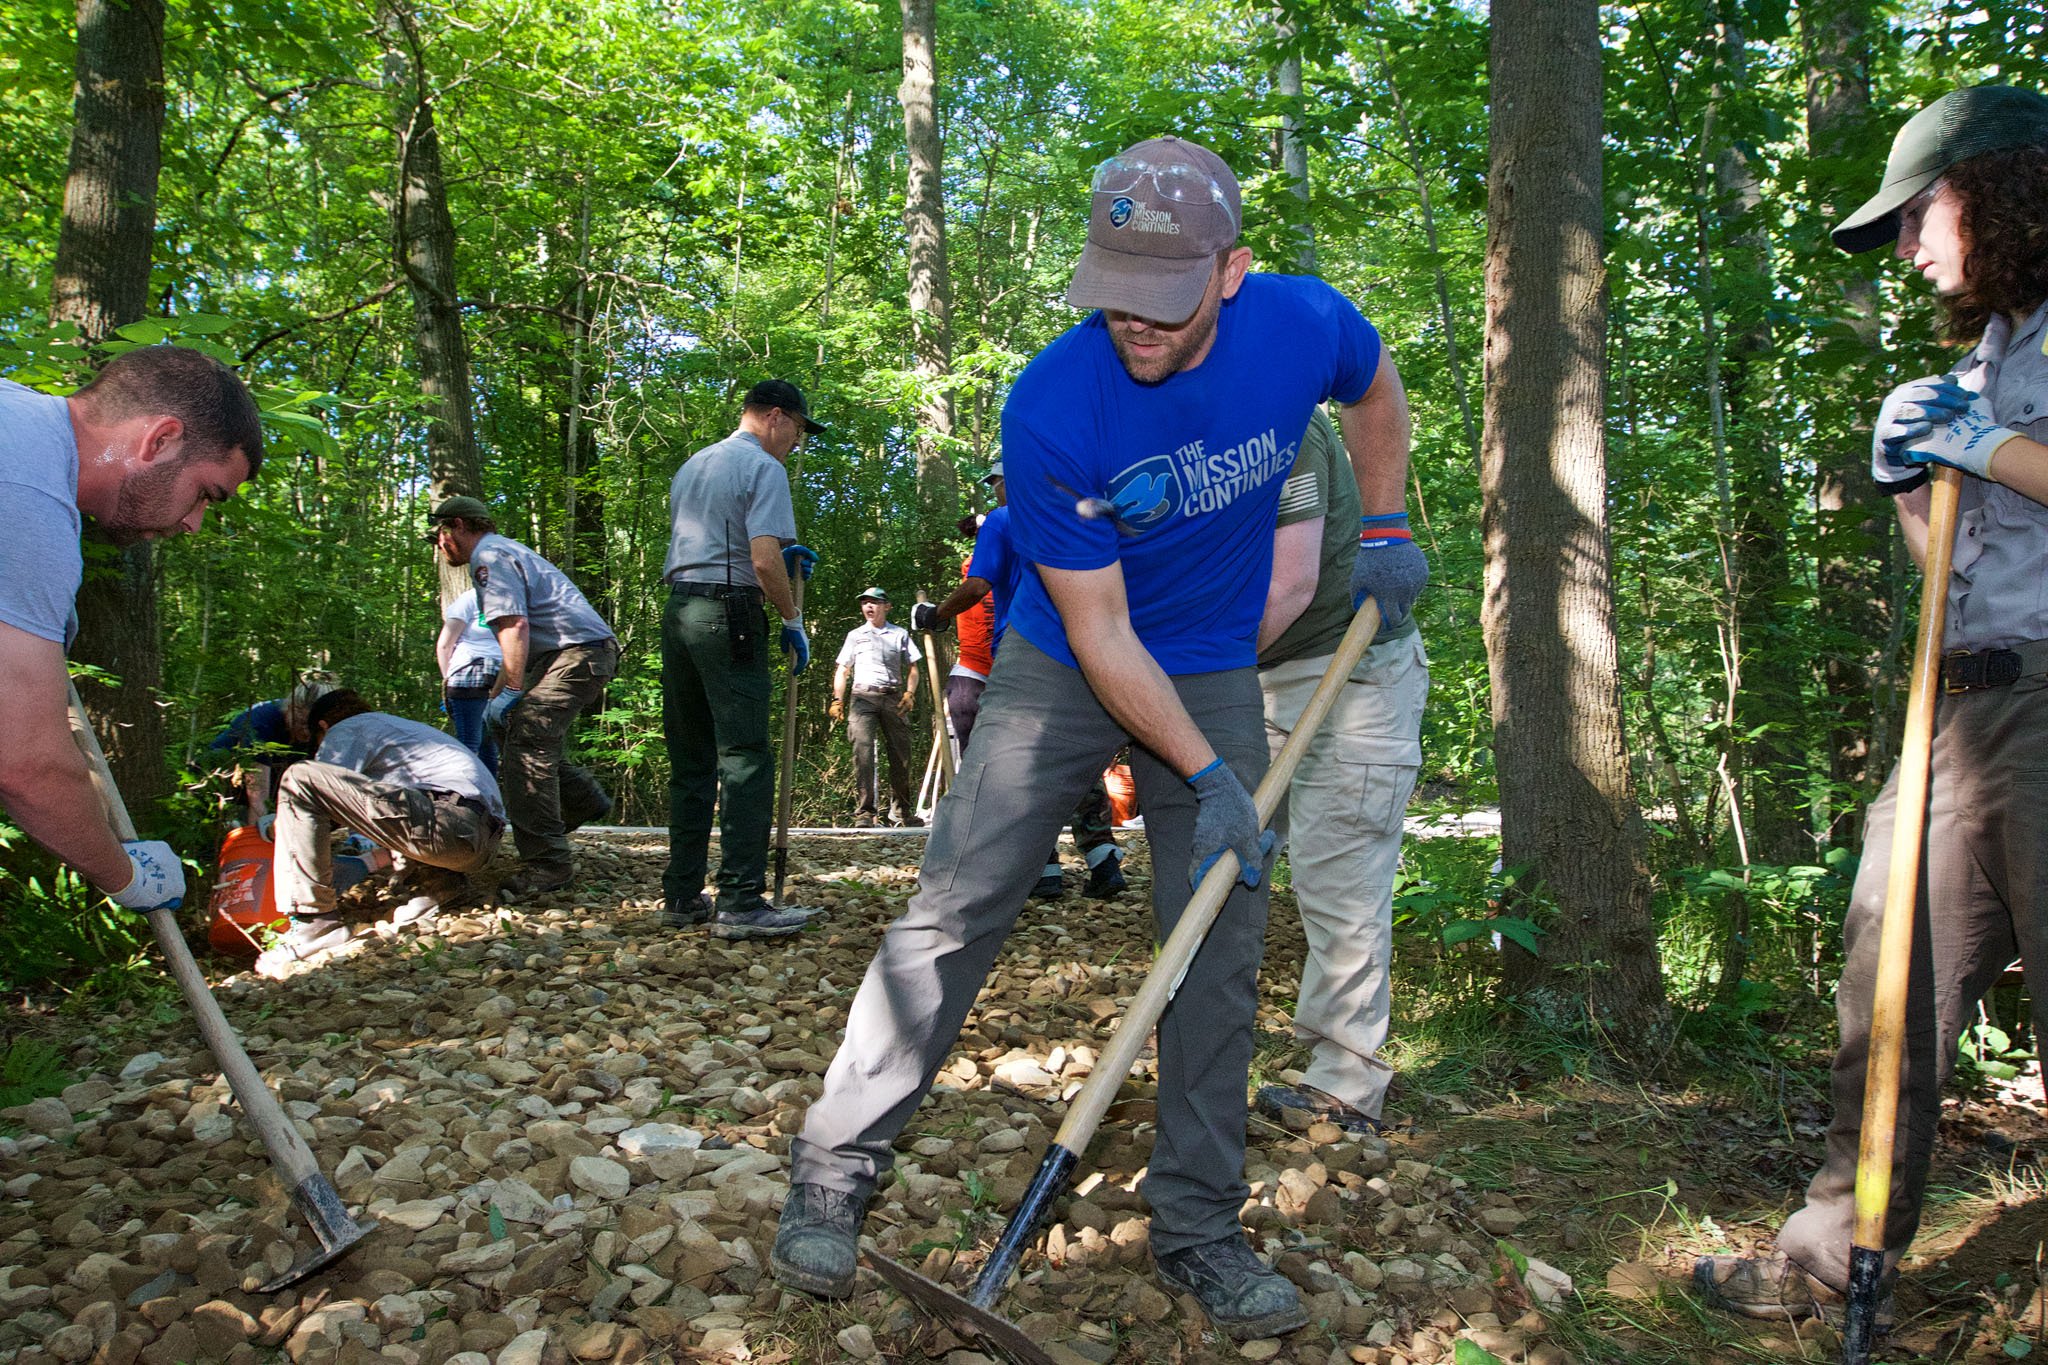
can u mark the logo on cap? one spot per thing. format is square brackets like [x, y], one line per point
[1120, 212]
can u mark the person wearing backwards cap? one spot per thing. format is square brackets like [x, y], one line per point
[878, 662]
[732, 546]
[1145, 450]
[1965, 196]
[559, 654]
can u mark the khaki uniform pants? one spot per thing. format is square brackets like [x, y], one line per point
[1983, 901]
[1342, 822]
[427, 827]
[538, 784]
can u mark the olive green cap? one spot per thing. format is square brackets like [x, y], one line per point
[1956, 127]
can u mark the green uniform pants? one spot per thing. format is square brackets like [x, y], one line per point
[714, 717]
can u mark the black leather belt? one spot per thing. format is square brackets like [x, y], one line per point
[877, 691]
[723, 592]
[1981, 670]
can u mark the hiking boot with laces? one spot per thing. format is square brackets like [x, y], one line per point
[531, 883]
[817, 1244]
[1773, 1287]
[687, 915]
[768, 921]
[1297, 1101]
[1243, 1296]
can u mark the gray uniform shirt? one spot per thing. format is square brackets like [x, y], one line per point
[406, 753]
[722, 497]
[511, 580]
[1998, 586]
[878, 655]
[40, 562]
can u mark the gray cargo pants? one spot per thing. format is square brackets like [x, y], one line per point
[1983, 901]
[1041, 740]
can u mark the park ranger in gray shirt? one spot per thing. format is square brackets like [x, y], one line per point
[732, 548]
[559, 654]
[415, 790]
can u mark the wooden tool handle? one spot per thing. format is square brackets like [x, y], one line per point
[289, 1153]
[1185, 941]
[782, 798]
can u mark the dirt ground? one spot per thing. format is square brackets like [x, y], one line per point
[573, 1125]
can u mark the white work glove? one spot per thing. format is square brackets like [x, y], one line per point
[1966, 441]
[159, 880]
[1909, 413]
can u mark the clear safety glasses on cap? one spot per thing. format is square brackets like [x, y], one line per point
[1175, 180]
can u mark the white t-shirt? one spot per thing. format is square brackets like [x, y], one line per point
[478, 642]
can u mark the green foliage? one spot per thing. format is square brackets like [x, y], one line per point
[30, 1070]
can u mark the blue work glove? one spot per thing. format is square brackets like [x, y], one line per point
[1391, 568]
[1909, 413]
[1965, 440]
[798, 644]
[500, 706]
[924, 616]
[264, 825]
[159, 880]
[799, 561]
[1226, 821]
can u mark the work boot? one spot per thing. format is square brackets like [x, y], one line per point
[817, 1244]
[863, 821]
[1245, 1298]
[1771, 1285]
[308, 938]
[531, 883]
[912, 822]
[1051, 885]
[766, 922]
[1106, 878]
[688, 915]
[428, 890]
[1282, 1101]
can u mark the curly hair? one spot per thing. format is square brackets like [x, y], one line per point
[2004, 222]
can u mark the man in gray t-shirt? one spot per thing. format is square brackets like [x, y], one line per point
[161, 434]
[732, 547]
[415, 790]
[559, 654]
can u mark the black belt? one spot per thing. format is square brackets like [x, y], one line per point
[724, 592]
[877, 691]
[1965, 671]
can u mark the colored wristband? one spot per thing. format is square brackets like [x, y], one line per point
[1384, 527]
[1213, 766]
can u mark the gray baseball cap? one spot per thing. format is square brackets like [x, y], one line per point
[1956, 127]
[1158, 213]
[995, 471]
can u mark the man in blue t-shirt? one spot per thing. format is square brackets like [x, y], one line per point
[1145, 450]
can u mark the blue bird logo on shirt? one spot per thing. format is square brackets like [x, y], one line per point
[1146, 494]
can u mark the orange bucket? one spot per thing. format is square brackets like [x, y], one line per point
[1123, 792]
[242, 905]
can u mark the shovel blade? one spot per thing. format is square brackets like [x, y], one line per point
[343, 1242]
[961, 1316]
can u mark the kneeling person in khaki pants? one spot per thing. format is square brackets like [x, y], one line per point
[416, 790]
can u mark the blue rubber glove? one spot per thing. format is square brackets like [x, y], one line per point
[1391, 567]
[798, 644]
[500, 706]
[159, 880]
[1909, 413]
[1226, 821]
[1966, 440]
[799, 561]
[265, 824]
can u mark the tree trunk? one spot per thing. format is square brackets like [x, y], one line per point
[1568, 812]
[1856, 522]
[931, 290]
[102, 282]
[1294, 155]
[423, 245]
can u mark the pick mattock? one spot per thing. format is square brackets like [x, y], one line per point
[313, 1195]
[796, 593]
[971, 1315]
[942, 733]
[1895, 937]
